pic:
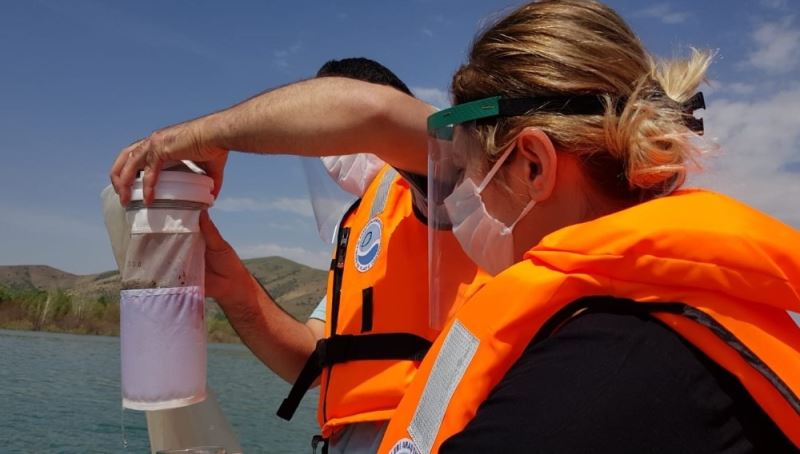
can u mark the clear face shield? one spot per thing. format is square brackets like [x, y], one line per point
[328, 200]
[453, 154]
[334, 184]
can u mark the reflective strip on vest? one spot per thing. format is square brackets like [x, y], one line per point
[455, 356]
[795, 317]
[383, 191]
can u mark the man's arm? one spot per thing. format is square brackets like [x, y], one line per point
[317, 117]
[328, 116]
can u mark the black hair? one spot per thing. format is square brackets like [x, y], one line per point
[365, 70]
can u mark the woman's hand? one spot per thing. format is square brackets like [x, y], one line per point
[174, 143]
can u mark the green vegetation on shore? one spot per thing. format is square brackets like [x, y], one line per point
[41, 298]
[55, 310]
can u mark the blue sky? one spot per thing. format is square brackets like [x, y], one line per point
[82, 79]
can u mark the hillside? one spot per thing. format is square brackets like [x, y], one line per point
[297, 288]
[43, 297]
[36, 276]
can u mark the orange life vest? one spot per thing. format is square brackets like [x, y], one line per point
[377, 328]
[720, 274]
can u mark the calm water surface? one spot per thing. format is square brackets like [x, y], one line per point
[59, 393]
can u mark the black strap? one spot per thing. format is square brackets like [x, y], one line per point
[366, 310]
[349, 347]
[310, 371]
[603, 303]
[563, 104]
[316, 440]
[696, 102]
[590, 104]
[337, 265]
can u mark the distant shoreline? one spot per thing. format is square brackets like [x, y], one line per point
[57, 311]
[222, 336]
[229, 341]
[43, 298]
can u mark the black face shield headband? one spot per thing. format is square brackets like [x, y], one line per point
[440, 124]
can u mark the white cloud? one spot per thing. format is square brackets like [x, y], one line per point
[427, 32]
[73, 243]
[759, 157]
[114, 21]
[774, 4]
[313, 258]
[286, 225]
[441, 19]
[282, 56]
[777, 47]
[36, 221]
[433, 96]
[664, 13]
[297, 205]
[726, 89]
[740, 88]
[759, 154]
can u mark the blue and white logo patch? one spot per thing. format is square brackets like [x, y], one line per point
[404, 446]
[369, 245]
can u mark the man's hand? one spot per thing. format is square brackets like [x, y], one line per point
[174, 143]
[226, 275]
[278, 340]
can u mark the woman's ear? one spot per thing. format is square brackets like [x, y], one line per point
[537, 157]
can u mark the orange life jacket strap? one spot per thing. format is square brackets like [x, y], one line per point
[748, 355]
[349, 347]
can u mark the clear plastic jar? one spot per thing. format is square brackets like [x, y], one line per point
[162, 322]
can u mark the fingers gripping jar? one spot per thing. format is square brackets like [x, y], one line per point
[162, 322]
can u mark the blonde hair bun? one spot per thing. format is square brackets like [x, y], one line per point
[584, 47]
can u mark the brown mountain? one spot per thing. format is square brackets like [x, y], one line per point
[297, 288]
[36, 276]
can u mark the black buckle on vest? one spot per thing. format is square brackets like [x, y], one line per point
[349, 347]
[316, 440]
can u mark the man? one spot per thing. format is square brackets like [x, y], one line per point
[376, 322]
[352, 173]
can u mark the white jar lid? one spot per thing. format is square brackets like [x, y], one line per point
[172, 185]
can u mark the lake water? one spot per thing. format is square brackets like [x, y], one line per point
[59, 393]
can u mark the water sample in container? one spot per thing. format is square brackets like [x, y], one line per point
[162, 321]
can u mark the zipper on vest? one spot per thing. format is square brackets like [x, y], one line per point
[338, 271]
[337, 268]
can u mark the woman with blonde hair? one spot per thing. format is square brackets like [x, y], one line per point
[626, 314]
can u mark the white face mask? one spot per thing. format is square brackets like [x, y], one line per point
[484, 238]
[354, 172]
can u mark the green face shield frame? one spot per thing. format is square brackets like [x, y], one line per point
[440, 124]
